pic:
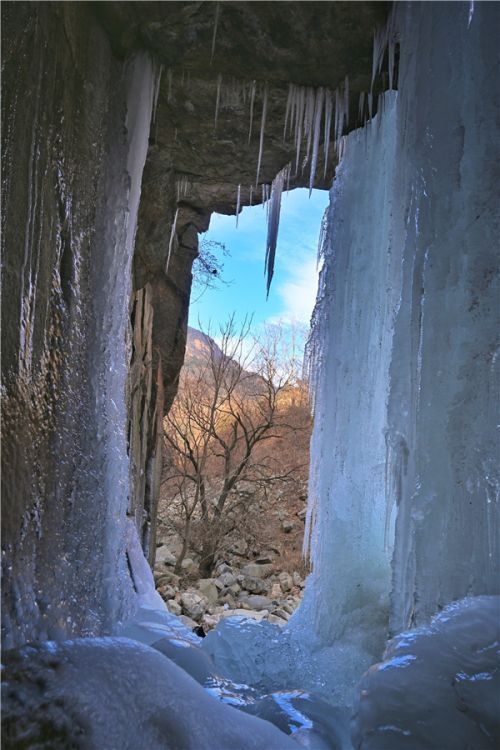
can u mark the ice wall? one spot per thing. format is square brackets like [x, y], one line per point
[75, 133]
[404, 347]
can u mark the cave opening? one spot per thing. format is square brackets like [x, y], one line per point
[125, 127]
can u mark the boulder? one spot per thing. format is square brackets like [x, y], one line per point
[188, 565]
[257, 570]
[276, 620]
[281, 612]
[255, 585]
[287, 526]
[188, 622]
[276, 591]
[164, 556]
[251, 614]
[174, 607]
[255, 602]
[193, 605]
[208, 589]
[285, 580]
[166, 591]
[225, 580]
[297, 580]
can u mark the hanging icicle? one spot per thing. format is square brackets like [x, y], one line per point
[262, 128]
[346, 102]
[318, 114]
[250, 195]
[217, 100]
[361, 108]
[290, 99]
[169, 85]
[157, 93]
[252, 99]
[273, 222]
[214, 37]
[328, 127]
[172, 238]
[182, 187]
[238, 202]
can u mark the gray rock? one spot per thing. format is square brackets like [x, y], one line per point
[193, 605]
[164, 556]
[167, 592]
[174, 607]
[287, 526]
[285, 580]
[225, 580]
[208, 589]
[189, 565]
[255, 602]
[297, 580]
[255, 585]
[302, 514]
[276, 620]
[252, 614]
[281, 612]
[257, 570]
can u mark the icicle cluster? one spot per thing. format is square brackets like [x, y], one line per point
[309, 113]
[384, 39]
[273, 219]
[182, 187]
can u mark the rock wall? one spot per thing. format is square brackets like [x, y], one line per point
[75, 127]
[77, 313]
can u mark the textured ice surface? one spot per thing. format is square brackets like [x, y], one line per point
[115, 694]
[438, 687]
[405, 443]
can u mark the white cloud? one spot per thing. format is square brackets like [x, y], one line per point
[297, 292]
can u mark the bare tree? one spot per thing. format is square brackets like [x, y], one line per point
[239, 399]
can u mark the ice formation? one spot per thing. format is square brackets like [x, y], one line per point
[438, 687]
[277, 187]
[262, 130]
[214, 36]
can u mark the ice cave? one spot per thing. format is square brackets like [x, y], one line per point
[125, 125]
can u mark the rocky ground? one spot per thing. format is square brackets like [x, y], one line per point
[263, 580]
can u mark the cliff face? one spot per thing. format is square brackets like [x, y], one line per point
[75, 123]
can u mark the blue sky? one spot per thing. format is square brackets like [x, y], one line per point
[293, 289]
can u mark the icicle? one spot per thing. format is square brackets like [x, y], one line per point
[370, 105]
[262, 127]
[238, 201]
[346, 102]
[391, 48]
[157, 93]
[251, 195]
[291, 91]
[263, 196]
[308, 121]
[298, 126]
[328, 127]
[172, 237]
[217, 100]
[318, 113]
[323, 232]
[361, 108]
[273, 222]
[214, 37]
[169, 85]
[182, 187]
[252, 99]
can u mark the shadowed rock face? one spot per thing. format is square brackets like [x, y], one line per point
[65, 182]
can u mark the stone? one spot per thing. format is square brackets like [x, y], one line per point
[193, 605]
[276, 591]
[302, 514]
[209, 590]
[287, 526]
[297, 580]
[281, 612]
[188, 622]
[255, 602]
[225, 580]
[188, 565]
[239, 548]
[164, 556]
[174, 607]
[255, 585]
[285, 580]
[257, 570]
[252, 614]
[167, 592]
[276, 620]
